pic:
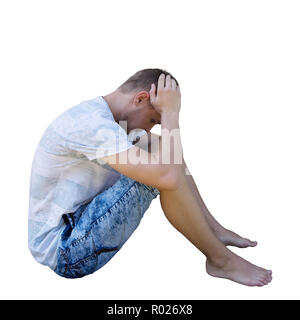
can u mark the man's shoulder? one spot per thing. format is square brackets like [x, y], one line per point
[96, 107]
[87, 114]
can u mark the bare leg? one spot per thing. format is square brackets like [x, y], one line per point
[226, 236]
[186, 215]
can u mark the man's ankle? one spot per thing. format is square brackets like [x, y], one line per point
[219, 260]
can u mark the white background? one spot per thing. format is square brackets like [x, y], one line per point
[237, 63]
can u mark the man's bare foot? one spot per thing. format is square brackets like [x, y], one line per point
[239, 270]
[229, 238]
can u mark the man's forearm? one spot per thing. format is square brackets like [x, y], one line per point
[170, 146]
[165, 150]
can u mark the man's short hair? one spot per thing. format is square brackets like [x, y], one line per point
[142, 80]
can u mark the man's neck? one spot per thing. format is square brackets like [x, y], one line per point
[117, 105]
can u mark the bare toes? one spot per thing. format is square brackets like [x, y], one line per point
[253, 243]
[260, 284]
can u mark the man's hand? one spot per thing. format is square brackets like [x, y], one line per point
[168, 96]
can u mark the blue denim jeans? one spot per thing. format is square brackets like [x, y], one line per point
[96, 231]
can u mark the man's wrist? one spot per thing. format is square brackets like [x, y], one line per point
[169, 119]
[171, 112]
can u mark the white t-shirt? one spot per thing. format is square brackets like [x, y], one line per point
[66, 173]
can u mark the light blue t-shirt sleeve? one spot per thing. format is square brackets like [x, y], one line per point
[91, 134]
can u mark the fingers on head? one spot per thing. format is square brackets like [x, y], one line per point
[152, 87]
[161, 82]
[173, 84]
[168, 81]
